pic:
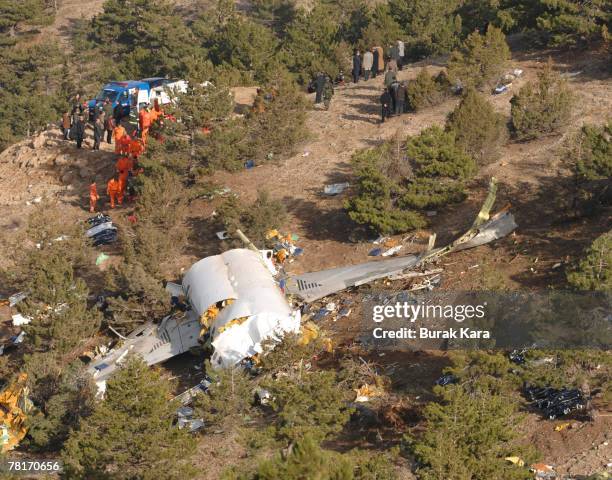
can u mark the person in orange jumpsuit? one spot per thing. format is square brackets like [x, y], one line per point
[136, 148]
[124, 149]
[123, 166]
[118, 133]
[93, 195]
[112, 190]
[144, 121]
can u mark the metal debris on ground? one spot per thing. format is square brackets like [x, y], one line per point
[262, 396]
[14, 407]
[185, 419]
[392, 251]
[284, 247]
[485, 229]
[367, 392]
[380, 240]
[223, 235]
[335, 188]
[446, 379]
[555, 402]
[517, 356]
[543, 471]
[19, 319]
[102, 230]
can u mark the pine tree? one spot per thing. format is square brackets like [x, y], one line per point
[478, 128]
[427, 91]
[567, 22]
[466, 437]
[432, 26]
[481, 59]
[440, 168]
[543, 107]
[13, 13]
[307, 404]
[144, 38]
[312, 43]
[307, 461]
[594, 272]
[130, 434]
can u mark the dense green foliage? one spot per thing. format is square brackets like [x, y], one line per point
[395, 182]
[377, 203]
[130, 433]
[592, 153]
[594, 271]
[589, 156]
[254, 219]
[478, 128]
[308, 403]
[62, 395]
[427, 91]
[431, 27]
[470, 430]
[481, 59]
[542, 107]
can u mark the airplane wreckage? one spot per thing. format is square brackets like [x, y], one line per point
[235, 300]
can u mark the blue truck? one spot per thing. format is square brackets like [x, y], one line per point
[132, 95]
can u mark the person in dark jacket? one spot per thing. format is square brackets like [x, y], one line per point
[98, 129]
[393, 92]
[79, 131]
[107, 108]
[385, 102]
[375, 61]
[319, 85]
[356, 66]
[118, 113]
[400, 97]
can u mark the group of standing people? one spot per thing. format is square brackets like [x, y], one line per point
[375, 60]
[108, 125]
[394, 99]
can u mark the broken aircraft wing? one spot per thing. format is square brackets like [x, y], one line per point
[313, 286]
[155, 343]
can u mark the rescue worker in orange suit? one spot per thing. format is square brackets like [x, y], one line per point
[118, 133]
[112, 190]
[144, 121]
[123, 166]
[124, 145]
[136, 148]
[93, 195]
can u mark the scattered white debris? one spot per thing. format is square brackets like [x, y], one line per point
[392, 251]
[335, 188]
[19, 319]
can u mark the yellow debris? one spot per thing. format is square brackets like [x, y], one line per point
[281, 255]
[14, 404]
[516, 461]
[562, 426]
[366, 391]
[272, 234]
[308, 332]
[230, 324]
